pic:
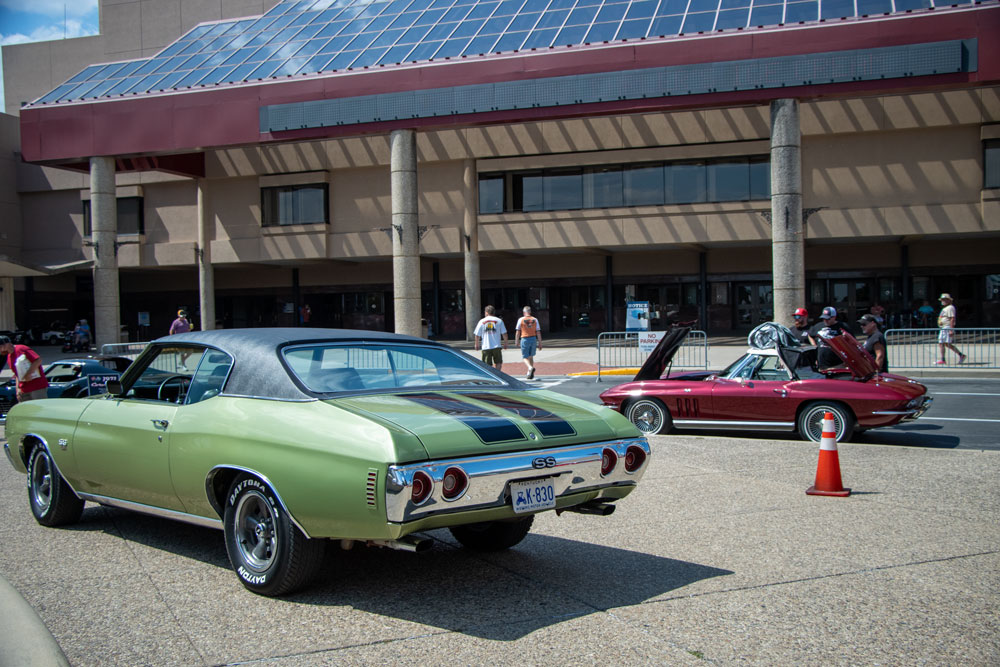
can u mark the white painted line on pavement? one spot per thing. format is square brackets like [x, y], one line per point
[960, 393]
[956, 419]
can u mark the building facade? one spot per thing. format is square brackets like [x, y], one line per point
[569, 178]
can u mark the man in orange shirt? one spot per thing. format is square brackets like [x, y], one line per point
[528, 335]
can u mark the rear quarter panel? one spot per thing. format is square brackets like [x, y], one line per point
[316, 456]
[862, 398]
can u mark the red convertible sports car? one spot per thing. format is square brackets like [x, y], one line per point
[775, 386]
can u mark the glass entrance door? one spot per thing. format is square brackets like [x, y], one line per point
[754, 304]
[852, 298]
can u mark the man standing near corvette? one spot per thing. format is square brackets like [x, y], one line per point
[528, 336]
[27, 368]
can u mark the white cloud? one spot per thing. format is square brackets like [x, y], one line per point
[54, 8]
[72, 28]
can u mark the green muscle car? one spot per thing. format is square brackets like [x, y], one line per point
[289, 438]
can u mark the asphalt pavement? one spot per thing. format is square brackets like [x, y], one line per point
[719, 556]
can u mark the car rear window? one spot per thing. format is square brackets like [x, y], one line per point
[346, 368]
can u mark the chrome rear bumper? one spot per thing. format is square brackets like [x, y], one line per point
[575, 469]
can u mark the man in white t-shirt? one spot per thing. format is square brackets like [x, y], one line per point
[946, 323]
[491, 336]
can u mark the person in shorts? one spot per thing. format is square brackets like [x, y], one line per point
[27, 368]
[528, 335]
[491, 337]
[946, 336]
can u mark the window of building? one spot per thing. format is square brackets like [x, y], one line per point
[640, 184]
[130, 216]
[295, 205]
[491, 193]
[991, 163]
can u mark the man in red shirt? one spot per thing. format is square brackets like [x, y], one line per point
[27, 368]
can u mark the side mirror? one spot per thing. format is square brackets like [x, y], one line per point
[114, 387]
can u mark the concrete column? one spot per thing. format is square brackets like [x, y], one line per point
[7, 317]
[206, 273]
[405, 250]
[787, 241]
[470, 248]
[104, 234]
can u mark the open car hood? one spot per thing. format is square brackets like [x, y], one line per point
[853, 353]
[660, 357]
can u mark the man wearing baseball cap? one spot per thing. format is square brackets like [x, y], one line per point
[801, 326]
[27, 368]
[946, 336]
[825, 356]
[875, 343]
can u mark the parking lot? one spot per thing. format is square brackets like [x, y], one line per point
[719, 556]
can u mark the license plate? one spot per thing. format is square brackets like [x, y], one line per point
[533, 495]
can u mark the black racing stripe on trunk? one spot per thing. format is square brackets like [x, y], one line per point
[548, 424]
[490, 428]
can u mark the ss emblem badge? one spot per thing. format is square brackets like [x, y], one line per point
[544, 462]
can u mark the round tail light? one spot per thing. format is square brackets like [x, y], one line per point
[608, 462]
[454, 483]
[421, 488]
[634, 458]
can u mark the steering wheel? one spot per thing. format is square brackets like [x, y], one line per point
[183, 382]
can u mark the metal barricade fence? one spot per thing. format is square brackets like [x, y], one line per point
[130, 350]
[620, 349]
[918, 348]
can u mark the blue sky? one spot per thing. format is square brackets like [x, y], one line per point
[39, 20]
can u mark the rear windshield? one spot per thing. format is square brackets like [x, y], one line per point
[329, 368]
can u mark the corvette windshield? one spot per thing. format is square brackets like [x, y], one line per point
[335, 368]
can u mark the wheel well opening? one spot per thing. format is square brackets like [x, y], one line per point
[843, 406]
[28, 445]
[219, 485]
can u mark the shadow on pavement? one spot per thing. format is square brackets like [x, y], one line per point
[501, 596]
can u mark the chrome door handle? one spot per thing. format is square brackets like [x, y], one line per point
[783, 392]
[161, 423]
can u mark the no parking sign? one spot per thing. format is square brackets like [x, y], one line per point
[648, 340]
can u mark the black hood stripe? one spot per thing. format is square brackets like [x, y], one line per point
[490, 428]
[548, 424]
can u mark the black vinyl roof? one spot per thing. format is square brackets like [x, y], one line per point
[257, 368]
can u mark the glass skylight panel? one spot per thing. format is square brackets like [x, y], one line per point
[665, 26]
[611, 13]
[601, 32]
[425, 50]
[801, 11]
[387, 37]
[767, 15]
[495, 26]
[701, 22]
[336, 45]
[732, 18]
[633, 29]
[331, 29]
[869, 7]
[903, 5]
[414, 35]
[370, 57]
[304, 18]
[561, 4]
[124, 85]
[582, 16]
[641, 9]
[395, 55]
[343, 60]
[540, 39]
[311, 47]
[571, 35]
[192, 78]
[263, 53]
[511, 41]
[671, 7]
[429, 17]
[170, 80]
[104, 87]
[480, 45]
[88, 73]
[238, 74]
[835, 9]
[552, 19]
[452, 48]
[315, 64]
[483, 10]
[404, 20]
[264, 70]
[468, 28]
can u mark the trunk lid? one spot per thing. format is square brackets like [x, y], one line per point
[453, 424]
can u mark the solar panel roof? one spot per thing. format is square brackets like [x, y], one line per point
[299, 37]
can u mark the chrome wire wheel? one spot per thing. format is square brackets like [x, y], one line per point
[41, 481]
[811, 422]
[649, 416]
[256, 534]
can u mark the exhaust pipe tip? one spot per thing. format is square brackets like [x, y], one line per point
[594, 507]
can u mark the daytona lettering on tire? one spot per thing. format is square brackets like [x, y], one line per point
[268, 552]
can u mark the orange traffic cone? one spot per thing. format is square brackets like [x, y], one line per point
[828, 481]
